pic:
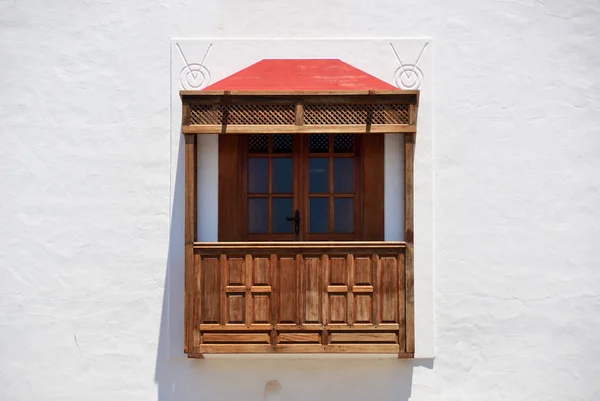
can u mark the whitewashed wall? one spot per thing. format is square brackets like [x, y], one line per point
[85, 215]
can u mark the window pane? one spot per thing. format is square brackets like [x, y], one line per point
[319, 175]
[319, 215]
[343, 175]
[283, 180]
[258, 175]
[343, 216]
[282, 143]
[343, 143]
[258, 215]
[282, 209]
[318, 143]
[258, 143]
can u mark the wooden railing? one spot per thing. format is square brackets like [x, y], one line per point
[319, 297]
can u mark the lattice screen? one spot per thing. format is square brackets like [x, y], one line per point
[330, 114]
[284, 114]
[242, 114]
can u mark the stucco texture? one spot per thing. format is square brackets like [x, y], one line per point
[86, 218]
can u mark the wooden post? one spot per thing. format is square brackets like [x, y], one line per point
[299, 113]
[409, 157]
[189, 238]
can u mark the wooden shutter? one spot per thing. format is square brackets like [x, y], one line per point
[230, 188]
[372, 161]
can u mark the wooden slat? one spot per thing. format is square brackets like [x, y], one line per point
[236, 348]
[197, 302]
[296, 327]
[376, 288]
[249, 307]
[189, 238]
[402, 302]
[324, 297]
[299, 338]
[235, 327]
[260, 289]
[337, 289]
[363, 348]
[224, 272]
[364, 337]
[410, 305]
[362, 289]
[363, 327]
[299, 348]
[235, 288]
[317, 246]
[296, 129]
[350, 282]
[235, 338]
[409, 156]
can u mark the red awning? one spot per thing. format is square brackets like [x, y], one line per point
[301, 75]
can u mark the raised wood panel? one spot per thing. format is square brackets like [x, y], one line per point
[288, 290]
[300, 301]
[312, 293]
[235, 308]
[211, 290]
[389, 290]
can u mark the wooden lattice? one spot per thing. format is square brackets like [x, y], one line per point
[242, 114]
[342, 114]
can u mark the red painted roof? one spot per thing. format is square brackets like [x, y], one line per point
[300, 74]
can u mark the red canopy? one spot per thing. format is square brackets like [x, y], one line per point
[302, 75]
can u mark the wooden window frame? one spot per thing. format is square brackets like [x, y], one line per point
[204, 338]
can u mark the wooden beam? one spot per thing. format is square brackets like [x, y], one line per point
[300, 129]
[409, 156]
[189, 238]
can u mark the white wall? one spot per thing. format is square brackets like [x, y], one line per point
[87, 222]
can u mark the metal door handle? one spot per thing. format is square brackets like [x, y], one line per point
[296, 220]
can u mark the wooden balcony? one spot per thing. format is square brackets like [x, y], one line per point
[300, 297]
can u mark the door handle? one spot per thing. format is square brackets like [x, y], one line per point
[296, 220]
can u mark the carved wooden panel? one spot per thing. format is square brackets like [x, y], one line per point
[300, 300]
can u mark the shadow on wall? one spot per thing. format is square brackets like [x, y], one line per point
[181, 379]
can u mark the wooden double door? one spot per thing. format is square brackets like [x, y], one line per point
[301, 187]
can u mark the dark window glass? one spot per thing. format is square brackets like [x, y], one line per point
[343, 175]
[318, 143]
[282, 209]
[283, 179]
[258, 143]
[319, 175]
[319, 215]
[282, 143]
[258, 175]
[343, 143]
[258, 215]
[343, 215]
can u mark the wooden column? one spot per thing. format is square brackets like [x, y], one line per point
[189, 238]
[409, 156]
